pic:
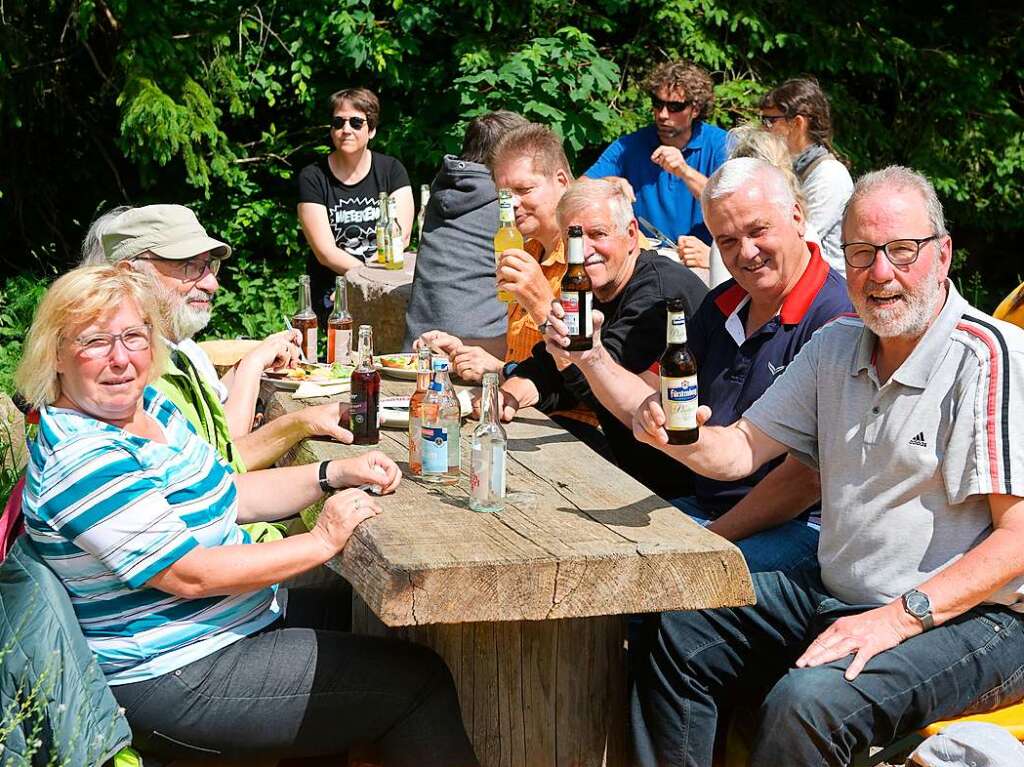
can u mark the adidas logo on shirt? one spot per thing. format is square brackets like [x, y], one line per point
[919, 440]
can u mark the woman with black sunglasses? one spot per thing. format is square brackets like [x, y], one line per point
[338, 195]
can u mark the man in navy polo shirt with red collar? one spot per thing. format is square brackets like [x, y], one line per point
[743, 336]
[665, 166]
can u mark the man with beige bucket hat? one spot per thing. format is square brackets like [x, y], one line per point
[169, 242]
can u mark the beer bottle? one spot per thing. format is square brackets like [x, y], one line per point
[339, 326]
[383, 230]
[490, 444]
[678, 380]
[304, 320]
[506, 237]
[576, 296]
[415, 410]
[397, 239]
[364, 400]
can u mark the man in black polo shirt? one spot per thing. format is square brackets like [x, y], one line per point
[631, 287]
[744, 334]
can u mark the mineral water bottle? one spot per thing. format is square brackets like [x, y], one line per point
[440, 453]
[487, 479]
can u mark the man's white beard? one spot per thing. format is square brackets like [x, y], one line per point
[909, 319]
[185, 321]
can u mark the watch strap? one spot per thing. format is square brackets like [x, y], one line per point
[325, 486]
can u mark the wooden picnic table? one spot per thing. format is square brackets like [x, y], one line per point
[527, 606]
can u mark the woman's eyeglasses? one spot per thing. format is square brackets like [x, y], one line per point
[99, 345]
[338, 122]
[769, 120]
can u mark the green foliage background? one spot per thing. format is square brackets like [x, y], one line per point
[217, 105]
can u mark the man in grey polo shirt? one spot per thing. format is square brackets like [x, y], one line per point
[918, 612]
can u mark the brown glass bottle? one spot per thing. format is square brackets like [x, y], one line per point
[305, 322]
[364, 399]
[679, 380]
[576, 297]
[339, 326]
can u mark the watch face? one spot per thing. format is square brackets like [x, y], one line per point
[918, 604]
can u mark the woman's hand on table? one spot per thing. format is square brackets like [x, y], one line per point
[340, 516]
[372, 468]
[325, 421]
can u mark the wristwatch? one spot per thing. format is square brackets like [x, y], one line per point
[507, 369]
[917, 604]
[325, 486]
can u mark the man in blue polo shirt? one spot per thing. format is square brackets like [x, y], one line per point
[743, 336]
[665, 166]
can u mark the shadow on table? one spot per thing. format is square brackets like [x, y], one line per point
[533, 444]
[636, 514]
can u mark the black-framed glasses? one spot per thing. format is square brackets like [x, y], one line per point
[338, 122]
[674, 107]
[902, 252]
[98, 345]
[190, 269]
[769, 120]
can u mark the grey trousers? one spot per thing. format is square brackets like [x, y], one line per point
[300, 689]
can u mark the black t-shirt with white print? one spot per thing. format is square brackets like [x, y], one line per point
[352, 211]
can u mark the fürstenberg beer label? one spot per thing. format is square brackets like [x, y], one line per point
[679, 401]
[676, 329]
[571, 306]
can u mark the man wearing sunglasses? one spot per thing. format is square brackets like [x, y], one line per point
[663, 168]
[168, 242]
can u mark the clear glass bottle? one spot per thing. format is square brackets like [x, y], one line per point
[304, 320]
[339, 326]
[384, 246]
[440, 445]
[490, 445]
[423, 377]
[397, 237]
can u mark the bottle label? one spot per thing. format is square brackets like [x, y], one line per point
[434, 449]
[676, 328]
[498, 471]
[487, 482]
[357, 412]
[679, 400]
[415, 459]
[340, 344]
[309, 345]
[577, 313]
[506, 214]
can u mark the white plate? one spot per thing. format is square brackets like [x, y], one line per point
[291, 384]
[403, 374]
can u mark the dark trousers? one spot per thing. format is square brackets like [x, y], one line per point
[693, 663]
[301, 689]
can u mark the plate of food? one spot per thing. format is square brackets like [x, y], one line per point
[321, 373]
[401, 366]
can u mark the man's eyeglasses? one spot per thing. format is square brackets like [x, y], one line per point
[98, 345]
[861, 255]
[338, 122]
[769, 120]
[674, 107]
[191, 269]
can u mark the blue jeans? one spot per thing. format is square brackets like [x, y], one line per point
[691, 664]
[789, 547]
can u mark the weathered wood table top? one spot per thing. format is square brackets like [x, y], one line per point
[379, 297]
[578, 538]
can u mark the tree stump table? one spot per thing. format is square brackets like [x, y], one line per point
[526, 606]
[379, 297]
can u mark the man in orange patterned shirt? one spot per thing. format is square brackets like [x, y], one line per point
[530, 161]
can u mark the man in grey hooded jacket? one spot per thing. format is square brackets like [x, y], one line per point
[454, 289]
